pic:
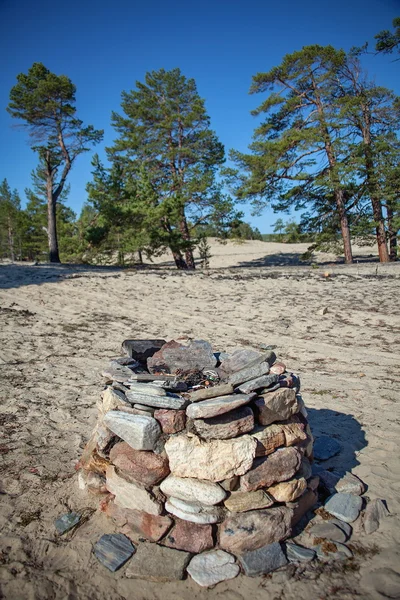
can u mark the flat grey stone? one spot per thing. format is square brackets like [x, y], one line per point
[376, 511]
[157, 563]
[147, 409]
[325, 447]
[328, 531]
[249, 373]
[336, 481]
[210, 568]
[140, 432]
[148, 389]
[333, 551]
[344, 506]
[259, 383]
[113, 550]
[117, 372]
[240, 359]
[263, 560]
[66, 522]
[171, 401]
[346, 527]
[211, 392]
[217, 406]
[296, 553]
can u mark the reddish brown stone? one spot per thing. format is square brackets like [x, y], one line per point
[269, 439]
[144, 467]
[279, 466]
[171, 421]
[302, 505]
[226, 426]
[90, 459]
[189, 536]
[278, 368]
[251, 530]
[195, 355]
[136, 523]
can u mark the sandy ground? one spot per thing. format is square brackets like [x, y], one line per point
[60, 325]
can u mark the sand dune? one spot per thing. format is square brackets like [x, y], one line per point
[60, 325]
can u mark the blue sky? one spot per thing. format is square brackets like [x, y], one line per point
[106, 46]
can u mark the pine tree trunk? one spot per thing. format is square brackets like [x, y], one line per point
[392, 231]
[376, 206]
[52, 224]
[344, 226]
[183, 227]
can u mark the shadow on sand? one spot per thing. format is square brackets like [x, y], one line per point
[293, 259]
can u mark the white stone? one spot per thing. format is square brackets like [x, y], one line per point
[213, 460]
[194, 508]
[112, 399]
[139, 431]
[129, 495]
[210, 568]
[193, 490]
[201, 518]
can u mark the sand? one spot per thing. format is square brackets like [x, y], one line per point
[337, 326]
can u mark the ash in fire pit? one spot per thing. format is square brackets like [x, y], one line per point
[205, 459]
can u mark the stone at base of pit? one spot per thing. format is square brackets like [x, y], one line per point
[113, 550]
[263, 560]
[210, 568]
[157, 563]
[67, 522]
[344, 506]
[190, 537]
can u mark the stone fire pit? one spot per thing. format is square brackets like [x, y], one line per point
[202, 460]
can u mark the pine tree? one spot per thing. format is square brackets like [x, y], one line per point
[10, 221]
[45, 102]
[297, 153]
[388, 41]
[165, 130]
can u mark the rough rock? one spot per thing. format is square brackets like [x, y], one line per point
[302, 505]
[113, 550]
[243, 359]
[278, 368]
[90, 459]
[141, 350]
[344, 506]
[305, 469]
[268, 438]
[190, 537]
[223, 389]
[294, 431]
[263, 560]
[288, 491]
[175, 356]
[327, 531]
[129, 495]
[375, 511]
[171, 421]
[244, 501]
[193, 490]
[251, 530]
[217, 406]
[231, 485]
[157, 563]
[226, 426]
[258, 383]
[112, 400]
[276, 406]
[144, 467]
[213, 460]
[138, 523]
[210, 568]
[341, 482]
[329, 550]
[147, 409]
[95, 483]
[171, 401]
[277, 467]
[205, 516]
[325, 447]
[116, 372]
[140, 432]
[250, 373]
[296, 553]
[67, 522]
